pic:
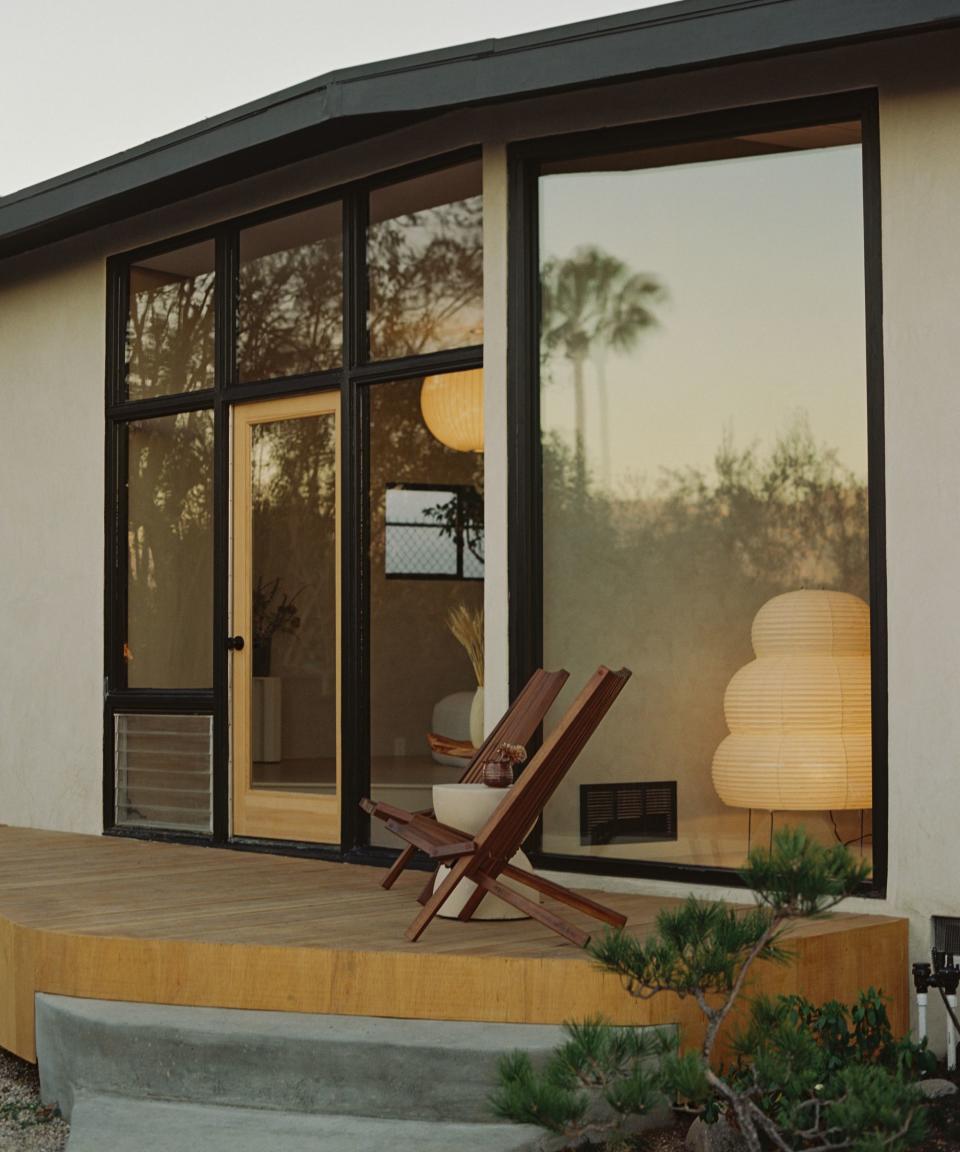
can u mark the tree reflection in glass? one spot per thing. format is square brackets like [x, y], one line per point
[168, 641]
[425, 264]
[704, 441]
[290, 300]
[170, 323]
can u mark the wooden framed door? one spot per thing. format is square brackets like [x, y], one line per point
[286, 619]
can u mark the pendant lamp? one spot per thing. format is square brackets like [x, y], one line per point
[452, 408]
[799, 714]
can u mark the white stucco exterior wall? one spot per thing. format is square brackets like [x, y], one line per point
[51, 543]
[52, 328]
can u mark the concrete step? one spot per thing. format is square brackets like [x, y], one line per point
[361, 1066]
[115, 1124]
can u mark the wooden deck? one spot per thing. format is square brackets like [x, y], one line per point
[130, 920]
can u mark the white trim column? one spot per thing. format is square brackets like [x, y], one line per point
[496, 598]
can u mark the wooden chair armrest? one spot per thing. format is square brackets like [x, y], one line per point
[385, 811]
[436, 841]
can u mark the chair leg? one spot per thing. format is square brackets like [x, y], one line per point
[398, 866]
[427, 890]
[436, 901]
[565, 896]
[535, 911]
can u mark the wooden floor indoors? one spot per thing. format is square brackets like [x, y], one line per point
[129, 920]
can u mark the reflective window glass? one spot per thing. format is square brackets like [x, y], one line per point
[170, 323]
[169, 603]
[704, 450]
[425, 264]
[290, 303]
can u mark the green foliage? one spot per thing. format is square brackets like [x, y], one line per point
[699, 946]
[800, 878]
[597, 1077]
[545, 1099]
[806, 1078]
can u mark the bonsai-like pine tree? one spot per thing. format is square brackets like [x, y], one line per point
[801, 1078]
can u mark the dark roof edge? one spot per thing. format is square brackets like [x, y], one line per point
[360, 101]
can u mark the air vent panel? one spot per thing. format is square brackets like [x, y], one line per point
[628, 813]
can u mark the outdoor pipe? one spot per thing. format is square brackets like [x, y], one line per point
[922, 974]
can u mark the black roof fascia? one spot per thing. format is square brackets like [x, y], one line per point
[359, 103]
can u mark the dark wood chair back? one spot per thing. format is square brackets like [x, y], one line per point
[509, 825]
[520, 721]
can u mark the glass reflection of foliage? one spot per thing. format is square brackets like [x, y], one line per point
[294, 508]
[685, 564]
[170, 552]
[290, 311]
[592, 303]
[170, 332]
[761, 524]
[461, 519]
[426, 280]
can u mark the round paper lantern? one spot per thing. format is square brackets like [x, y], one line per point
[799, 715]
[452, 407]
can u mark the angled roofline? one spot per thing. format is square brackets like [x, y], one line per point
[353, 104]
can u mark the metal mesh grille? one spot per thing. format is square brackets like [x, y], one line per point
[415, 549]
[628, 813]
[434, 532]
[163, 771]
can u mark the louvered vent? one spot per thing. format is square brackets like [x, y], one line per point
[163, 771]
[628, 813]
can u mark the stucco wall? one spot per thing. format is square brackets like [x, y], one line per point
[51, 375]
[51, 543]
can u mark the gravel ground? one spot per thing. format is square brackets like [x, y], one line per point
[25, 1124]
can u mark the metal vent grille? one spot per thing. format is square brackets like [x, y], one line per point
[163, 771]
[628, 813]
[946, 934]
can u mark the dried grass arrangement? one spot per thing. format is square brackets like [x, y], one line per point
[467, 630]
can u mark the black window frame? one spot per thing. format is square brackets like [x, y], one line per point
[352, 379]
[525, 527]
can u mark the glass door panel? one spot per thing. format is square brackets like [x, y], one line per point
[286, 609]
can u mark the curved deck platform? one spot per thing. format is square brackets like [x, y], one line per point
[118, 919]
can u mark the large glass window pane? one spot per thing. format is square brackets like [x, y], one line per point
[169, 551]
[290, 304]
[293, 476]
[170, 323]
[425, 264]
[421, 679]
[704, 450]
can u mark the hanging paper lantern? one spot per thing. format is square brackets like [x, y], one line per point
[799, 715]
[452, 407]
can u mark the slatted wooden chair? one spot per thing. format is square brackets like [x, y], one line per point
[516, 726]
[484, 858]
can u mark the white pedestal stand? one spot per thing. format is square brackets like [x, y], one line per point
[468, 807]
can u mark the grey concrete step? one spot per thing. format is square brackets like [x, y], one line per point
[362, 1066]
[116, 1124]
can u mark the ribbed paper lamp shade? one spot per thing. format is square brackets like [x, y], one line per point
[452, 407]
[799, 715]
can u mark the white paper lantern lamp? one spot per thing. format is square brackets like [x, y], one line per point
[452, 408]
[799, 714]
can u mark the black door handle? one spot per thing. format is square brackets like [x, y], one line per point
[235, 643]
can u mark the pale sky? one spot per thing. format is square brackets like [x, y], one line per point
[82, 79]
[763, 322]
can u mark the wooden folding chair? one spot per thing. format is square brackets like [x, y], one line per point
[516, 726]
[484, 858]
